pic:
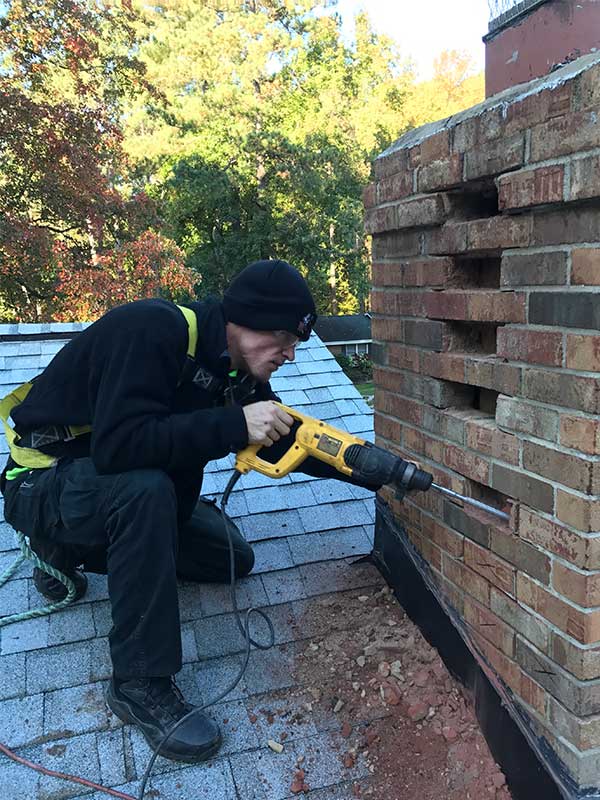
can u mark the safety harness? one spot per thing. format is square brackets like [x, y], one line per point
[29, 457]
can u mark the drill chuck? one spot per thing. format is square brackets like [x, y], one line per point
[376, 466]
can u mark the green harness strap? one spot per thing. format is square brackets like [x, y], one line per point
[33, 459]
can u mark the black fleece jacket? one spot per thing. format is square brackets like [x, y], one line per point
[129, 377]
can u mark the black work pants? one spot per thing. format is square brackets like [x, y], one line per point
[128, 524]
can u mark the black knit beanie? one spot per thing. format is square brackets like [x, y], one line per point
[270, 296]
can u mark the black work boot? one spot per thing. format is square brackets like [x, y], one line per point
[63, 558]
[155, 705]
[52, 589]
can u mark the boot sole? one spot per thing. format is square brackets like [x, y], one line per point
[123, 713]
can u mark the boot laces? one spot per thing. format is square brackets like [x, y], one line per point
[166, 693]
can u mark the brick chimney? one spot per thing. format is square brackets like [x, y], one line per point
[535, 36]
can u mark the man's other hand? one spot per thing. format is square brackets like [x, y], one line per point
[266, 422]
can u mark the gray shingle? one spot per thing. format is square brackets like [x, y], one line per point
[331, 491]
[336, 576]
[215, 598]
[18, 783]
[12, 669]
[220, 636]
[77, 755]
[72, 624]
[271, 525]
[189, 651]
[239, 733]
[270, 670]
[111, 755]
[31, 634]
[319, 395]
[295, 397]
[58, 667]
[77, 710]
[336, 544]
[284, 585]
[14, 597]
[273, 554]
[21, 720]
[334, 515]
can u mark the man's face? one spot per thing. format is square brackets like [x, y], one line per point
[259, 353]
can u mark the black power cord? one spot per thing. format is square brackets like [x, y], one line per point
[243, 625]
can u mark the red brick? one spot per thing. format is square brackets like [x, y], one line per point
[390, 164]
[389, 428]
[466, 579]
[533, 694]
[450, 238]
[531, 187]
[402, 357]
[468, 464]
[584, 626]
[570, 133]
[442, 174]
[369, 196]
[582, 513]
[571, 470]
[583, 352]
[530, 269]
[403, 408]
[495, 157]
[586, 266]
[489, 626]
[569, 225]
[538, 107]
[485, 437]
[501, 664]
[395, 187]
[413, 439]
[444, 537]
[570, 390]
[446, 305]
[497, 233]
[582, 588]
[582, 662]
[380, 219]
[432, 209]
[579, 550]
[435, 147]
[428, 272]
[447, 366]
[585, 178]
[580, 433]
[535, 347]
[490, 306]
[397, 303]
[491, 373]
[387, 330]
[396, 244]
[497, 571]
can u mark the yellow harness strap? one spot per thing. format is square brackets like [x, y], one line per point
[30, 458]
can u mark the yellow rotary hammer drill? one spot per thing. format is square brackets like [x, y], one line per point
[349, 455]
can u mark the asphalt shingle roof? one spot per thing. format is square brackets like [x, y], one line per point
[306, 534]
[344, 328]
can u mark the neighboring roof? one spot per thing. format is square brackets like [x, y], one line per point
[344, 328]
[306, 533]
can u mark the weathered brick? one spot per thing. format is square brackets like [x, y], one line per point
[402, 357]
[534, 269]
[524, 556]
[386, 329]
[424, 333]
[569, 225]
[396, 161]
[466, 463]
[583, 352]
[531, 187]
[422, 211]
[445, 538]
[582, 732]
[571, 470]
[396, 244]
[516, 414]
[505, 667]
[381, 219]
[476, 306]
[441, 174]
[561, 389]
[484, 436]
[520, 619]
[533, 694]
[450, 238]
[494, 569]
[397, 302]
[583, 662]
[582, 551]
[582, 625]
[582, 698]
[430, 272]
[582, 587]
[580, 433]
[582, 513]
[446, 305]
[466, 579]
[369, 195]
[443, 394]
[535, 347]
[394, 187]
[570, 133]
[495, 157]
[491, 627]
[435, 147]
[491, 373]
[585, 178]
[523, 487]
[403, 408]
[470, 524]
[448, 366]
[567, 309]
[585, 269]
[538, 107]
[497, 233]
